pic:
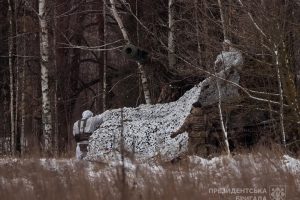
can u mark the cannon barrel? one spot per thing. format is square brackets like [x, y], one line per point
[135, 53]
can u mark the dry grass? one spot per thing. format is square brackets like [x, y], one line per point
[29, 179]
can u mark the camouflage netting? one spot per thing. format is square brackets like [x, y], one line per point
[147, 128]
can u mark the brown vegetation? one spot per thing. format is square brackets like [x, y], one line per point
[187, 179]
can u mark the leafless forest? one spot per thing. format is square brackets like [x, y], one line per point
[60, 57]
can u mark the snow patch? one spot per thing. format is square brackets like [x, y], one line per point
[292, 164]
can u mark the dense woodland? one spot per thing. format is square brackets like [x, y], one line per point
[59, 58]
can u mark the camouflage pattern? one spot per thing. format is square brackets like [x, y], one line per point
[196, 125]
[197, 146]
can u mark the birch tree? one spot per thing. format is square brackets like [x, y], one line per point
[44, 62]
[206, 35]
[17, 69]
[197, 25]
[223, 20]
[277, 64]
[104, 58]
[224, 131]
[126, 38]
[274, 48]
[225, 134]
[171, 35]
[11, 78]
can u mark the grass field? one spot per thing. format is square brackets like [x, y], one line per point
[244, 176]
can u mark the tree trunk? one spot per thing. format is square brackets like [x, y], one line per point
[56, 132]
[223, 20]
[199, 57]
[44, 54]
[119, 21]
[225, 134]
[288, 63]
[23, 111]
[207, 54]
[17, 67]
[104, 58]
[126, 38]
[144, 84]
[283, 138]
[218, 84]
[11, 79]
[171, 35]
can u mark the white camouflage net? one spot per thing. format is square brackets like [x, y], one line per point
[147, 128]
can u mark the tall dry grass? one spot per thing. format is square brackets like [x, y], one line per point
[188, 179]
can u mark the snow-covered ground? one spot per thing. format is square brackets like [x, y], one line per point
[216, 165]
[195, 177]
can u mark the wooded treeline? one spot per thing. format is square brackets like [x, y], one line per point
[59, 58]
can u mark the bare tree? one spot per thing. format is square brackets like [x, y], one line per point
[54, 54]
[44, 56]
[17, 69]
[23, 81]
[225, 134]
[223, 20]
[274, 48]
[126, 38]
[104, 92]
[171, 37]
[197, 26]
[277, 64]
[218, 84]
[11, 79]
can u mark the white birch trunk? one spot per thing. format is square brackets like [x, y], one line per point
[104, 58]
[206, 36]
[119, 20]
[126, 38]
[281, 95]
[145, 84]
[223, 20]
[11, 79]
[199, 59]
[171, 35]
[253, 21]
[218, 84]
[44, 53]
[225, 134]
[17, 67]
